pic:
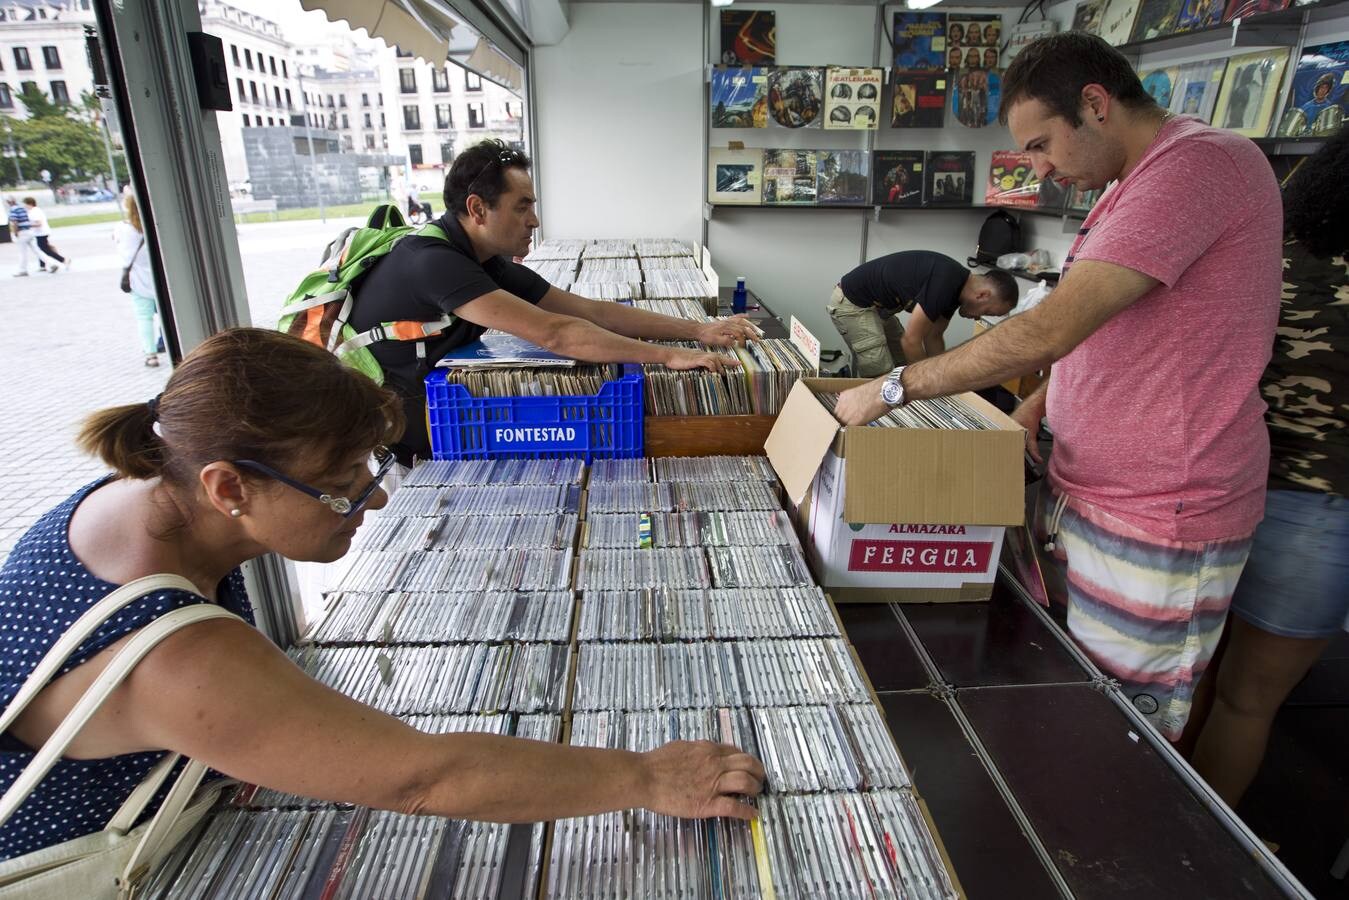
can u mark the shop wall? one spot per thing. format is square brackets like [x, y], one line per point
[618, 106]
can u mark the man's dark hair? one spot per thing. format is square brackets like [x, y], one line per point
[1055, 69]
[1316, 196]
[1004, 287]
[481, 170]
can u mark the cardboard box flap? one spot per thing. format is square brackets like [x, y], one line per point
[799, 440]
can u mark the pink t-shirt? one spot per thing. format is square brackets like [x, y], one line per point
[1157, 417]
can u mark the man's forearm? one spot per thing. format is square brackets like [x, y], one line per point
[640, 323]
[591, 342]
[1015, 347]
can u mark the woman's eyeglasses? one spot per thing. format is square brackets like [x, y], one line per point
[343, 506]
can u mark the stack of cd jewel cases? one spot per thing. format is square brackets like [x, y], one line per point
[556, 249]
[430, 618]
[683, 264]
[458, 572]
[678, 309]
[663, 247]
[557, 272]
[553, 531]
[663, 615]
[939, 412]
[484, 500]
[609, 249]
[463, 472]
[350, 854]
[611, 289]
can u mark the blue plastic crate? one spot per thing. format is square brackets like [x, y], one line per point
[607, 425]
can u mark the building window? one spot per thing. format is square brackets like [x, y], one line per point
[271, 60]
[407, 81]
[345, 122]
[384, 142]
[365, 99]
[412, 118]
[51, 58]
[277, 92]
[271, 121]
[284, 72]
[444, 118]
[401, 53]
[446, 152]
[370, 142]
[240, 83]
[342, 100]
[21, 60]
[472, 81]
[440, 81]
[234, 52]
[28, 87]
[248, 58]
[415, 154]
[380, 97]
[515, 109]
[289, 103]
[246, 120]
[59, 93]
[346, 142]
[6, 98]
[253, 90]
[330, 101]
[367, 121]
[381, 121]
[476, 119]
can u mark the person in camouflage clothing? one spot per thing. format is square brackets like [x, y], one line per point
[1293, 597]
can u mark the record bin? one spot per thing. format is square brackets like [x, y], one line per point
[606, 425]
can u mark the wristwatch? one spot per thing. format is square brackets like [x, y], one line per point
[892, 390]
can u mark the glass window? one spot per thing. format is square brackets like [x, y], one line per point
[444, 117]
[401, 53]
[289, 103]
[370, 142]
[59, 93]
[26, 87]
[446, 152]
[21, 60]
[6, 97]
[342, 100]
[472, 81]
[253, 90]
[365, 99]
[284, 73]
[246, 120]
[415, 154]
[412, 118]
[240, 83]
[51, 58]
[367, 121]
[234, 52]
[407, 81]
[345, 122]
[476, 119]
[381, 98]
[440, 81]
[277, 92]
[271, 60]
[248, 58]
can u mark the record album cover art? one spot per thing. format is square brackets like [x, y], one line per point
[795, 97]
[1012, 180]
[1319, 99]
[974, 101]
[1244, 9]
[1195, 92]
[1160, 84]
[1156, 18]
[788, 177]
[920, 40]
[948, 178]
[841, 176]
[852, 98]
[1080, 201]
[1249, 91]
[739, 97]
[1196, 14]
[973, 41]
[748, 37]
[1052, 195]
[735, 176]
[1088, 16]
[918, 98]
[1117, 21]
[897, 178]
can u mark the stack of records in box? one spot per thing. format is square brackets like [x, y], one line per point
[939, 412]
[757, 386]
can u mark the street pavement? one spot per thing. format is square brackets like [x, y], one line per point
[70, 347]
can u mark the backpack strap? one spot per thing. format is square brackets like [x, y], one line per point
[299, 306]
[397, 331]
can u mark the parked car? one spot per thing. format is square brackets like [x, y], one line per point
[93, 195]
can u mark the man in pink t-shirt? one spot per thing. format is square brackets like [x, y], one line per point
[1159, 332]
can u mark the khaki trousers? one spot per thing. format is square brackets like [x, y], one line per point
[875, 340]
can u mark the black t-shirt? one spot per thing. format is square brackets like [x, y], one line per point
[900, 281]
[422, 279]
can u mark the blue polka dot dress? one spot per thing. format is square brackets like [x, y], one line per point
[43, 590]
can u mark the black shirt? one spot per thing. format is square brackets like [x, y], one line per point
[422, 279]
[900, 281]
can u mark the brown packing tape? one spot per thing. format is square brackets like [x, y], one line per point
[941, 845]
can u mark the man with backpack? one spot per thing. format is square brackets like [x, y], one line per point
[442, 286]
[932, 288]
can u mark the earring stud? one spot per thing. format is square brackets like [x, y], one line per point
[236, 512]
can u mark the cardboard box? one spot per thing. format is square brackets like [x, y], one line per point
[899, 514]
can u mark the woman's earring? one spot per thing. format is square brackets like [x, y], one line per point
[236, 512]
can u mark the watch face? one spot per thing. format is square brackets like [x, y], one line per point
[891, 392]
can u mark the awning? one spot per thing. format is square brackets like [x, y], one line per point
[419, 27]
[494, 65]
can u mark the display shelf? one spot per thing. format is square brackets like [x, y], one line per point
[1272, 29]
[1290, 146]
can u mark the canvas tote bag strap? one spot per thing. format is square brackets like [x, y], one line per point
[152, 845]
[131, 653]
[134, 805]
[81, 630]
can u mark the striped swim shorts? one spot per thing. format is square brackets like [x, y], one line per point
[1147, 610]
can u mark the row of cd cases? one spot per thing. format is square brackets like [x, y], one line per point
[708, 627]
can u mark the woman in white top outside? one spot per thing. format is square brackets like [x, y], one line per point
[130, 237]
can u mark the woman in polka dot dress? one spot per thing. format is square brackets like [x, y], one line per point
[189, 497]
